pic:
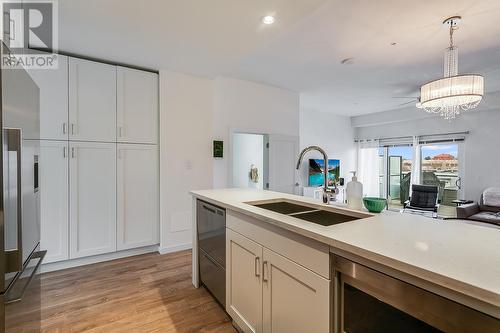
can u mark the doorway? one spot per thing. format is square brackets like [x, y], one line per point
[395, 172]
[270, 157]
[250, 160]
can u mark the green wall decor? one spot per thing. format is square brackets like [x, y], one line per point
[218, 149]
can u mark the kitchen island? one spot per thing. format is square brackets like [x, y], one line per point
[449, 259]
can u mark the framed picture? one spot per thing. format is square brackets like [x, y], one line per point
[218, 148]
[316, 167]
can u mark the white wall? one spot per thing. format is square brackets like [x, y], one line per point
[193, 112]
[253, 108]
[481, 146]
[331, 132]
[186, 111]
[248, 150]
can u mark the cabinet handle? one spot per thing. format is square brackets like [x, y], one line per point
[72, 152]
[72, 129]
[65, 152]
[12, 144]
[257, 266]
[264, 270]
[64, 129]
[120, 131]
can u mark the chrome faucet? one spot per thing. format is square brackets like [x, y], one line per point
[327, 193]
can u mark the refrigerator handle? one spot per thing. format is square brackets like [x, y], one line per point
[12, 294]
[14, 258]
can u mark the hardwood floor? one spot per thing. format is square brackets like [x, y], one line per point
[147, 293]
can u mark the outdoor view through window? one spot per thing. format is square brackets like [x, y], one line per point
[439, 166]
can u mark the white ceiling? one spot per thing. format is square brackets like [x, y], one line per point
[302, 51]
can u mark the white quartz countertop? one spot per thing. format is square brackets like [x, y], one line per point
[452, 254]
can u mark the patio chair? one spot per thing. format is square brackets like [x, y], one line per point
[423, 200]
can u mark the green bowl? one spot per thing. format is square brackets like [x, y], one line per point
[375, 205]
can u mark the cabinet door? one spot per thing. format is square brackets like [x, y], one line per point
[53, 86]
[92, 101]
[137, 184]
[54, 223]
[92, 198]
[244, 281]
[137, 106]
[295, 299]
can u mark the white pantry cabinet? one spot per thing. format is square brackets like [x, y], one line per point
[53, 86]
[137, 106]
[244, 281]
[137, 194]
[97, 196]
[92, 198]
[54, 196]
[92, 101]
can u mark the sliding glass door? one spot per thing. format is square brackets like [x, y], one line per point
[395, 173]
[438, 160]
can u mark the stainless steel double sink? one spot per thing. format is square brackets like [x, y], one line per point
[309, 212]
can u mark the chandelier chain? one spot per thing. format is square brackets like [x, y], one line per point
[453, 27]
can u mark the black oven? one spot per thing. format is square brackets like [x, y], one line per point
[368, 301]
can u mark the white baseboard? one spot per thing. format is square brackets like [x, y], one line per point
[55, 266]
[175, 248]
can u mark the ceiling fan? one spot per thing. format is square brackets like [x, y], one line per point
[412, 100]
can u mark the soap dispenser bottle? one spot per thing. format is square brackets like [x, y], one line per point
[354, 191]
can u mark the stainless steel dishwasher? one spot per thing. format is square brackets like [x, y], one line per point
[211, 225]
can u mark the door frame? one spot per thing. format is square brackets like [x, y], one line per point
[461, 169]
[265, 172]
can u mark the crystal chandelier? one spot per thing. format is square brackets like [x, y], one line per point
[454, 93]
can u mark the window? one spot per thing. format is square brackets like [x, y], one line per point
[439, 165]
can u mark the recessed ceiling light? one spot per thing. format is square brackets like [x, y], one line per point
[268, 19]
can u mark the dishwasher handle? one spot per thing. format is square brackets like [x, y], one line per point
[210, 259]
[209, 209]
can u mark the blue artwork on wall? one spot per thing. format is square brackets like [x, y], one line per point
[316, 167]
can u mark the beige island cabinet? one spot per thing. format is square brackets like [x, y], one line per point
[286, 274]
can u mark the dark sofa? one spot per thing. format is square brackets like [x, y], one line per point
[479, 212]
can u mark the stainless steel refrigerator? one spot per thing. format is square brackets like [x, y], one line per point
[20, 255]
